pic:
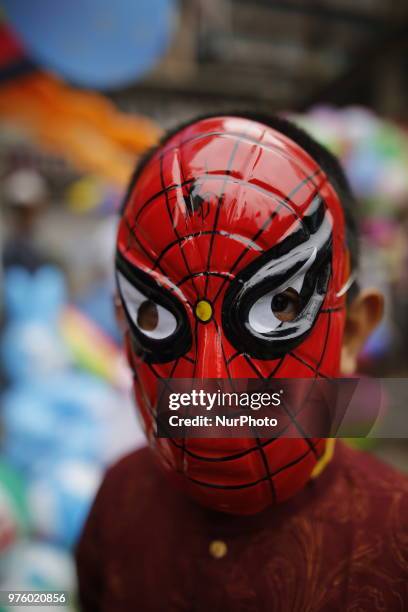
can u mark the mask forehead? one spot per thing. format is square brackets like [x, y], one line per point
[217, 195]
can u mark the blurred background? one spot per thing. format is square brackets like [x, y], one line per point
[85, 87]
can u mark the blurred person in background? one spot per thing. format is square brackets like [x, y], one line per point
[25, 195]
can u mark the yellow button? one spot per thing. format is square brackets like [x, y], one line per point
[218, 549]
[203, 311]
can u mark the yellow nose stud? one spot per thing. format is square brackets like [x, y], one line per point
[203, 311]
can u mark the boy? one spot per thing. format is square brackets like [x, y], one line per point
[236, 258]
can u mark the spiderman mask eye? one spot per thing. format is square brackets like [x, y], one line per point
[274, 308]
[150, 318]
[157, 319]
[272, 304]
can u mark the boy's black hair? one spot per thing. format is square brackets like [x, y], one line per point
[324, 158]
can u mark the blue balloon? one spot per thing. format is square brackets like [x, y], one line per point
[95, 43]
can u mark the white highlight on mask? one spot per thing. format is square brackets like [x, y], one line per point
[349, 282]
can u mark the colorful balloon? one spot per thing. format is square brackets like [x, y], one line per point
[95, 43]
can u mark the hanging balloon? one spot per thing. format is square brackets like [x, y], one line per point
[95, 43]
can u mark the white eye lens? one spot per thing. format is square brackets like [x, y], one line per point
[150, 318]
[261, 317]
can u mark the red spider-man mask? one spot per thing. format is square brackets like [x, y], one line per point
[231, 260]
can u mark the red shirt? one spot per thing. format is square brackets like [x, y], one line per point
[341, 544]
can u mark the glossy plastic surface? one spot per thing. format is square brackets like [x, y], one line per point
[224, 212]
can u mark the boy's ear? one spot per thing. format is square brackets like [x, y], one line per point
[120, 314]
[363, 315]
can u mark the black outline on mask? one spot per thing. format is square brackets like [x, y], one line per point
[150, 349]
[303, 251]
